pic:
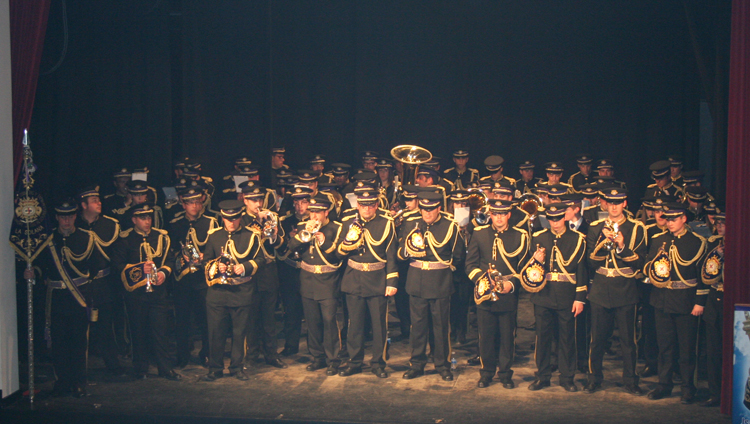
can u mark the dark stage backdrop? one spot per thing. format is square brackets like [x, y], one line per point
[145, 81]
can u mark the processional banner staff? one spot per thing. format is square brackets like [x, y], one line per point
[29, 235]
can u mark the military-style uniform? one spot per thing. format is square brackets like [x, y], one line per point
[320, 291]
[507, 252]
[150, 314]
[190, 284]
[648, 320]
[673, 266]
[578, 179]
[370, 257]
[463, 180]
[66, 265]
[555, 285]
[429, 284]
[288, 265]
[712, 274]
[228, 306]
[614, 294]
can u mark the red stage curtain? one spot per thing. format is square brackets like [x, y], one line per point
[736, 265]
[28, 24]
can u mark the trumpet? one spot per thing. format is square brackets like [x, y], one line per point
[311, 228]
[230, 262]
[270, 223]
[191, 252]
[152, 276]
[496, 279]
[609, 244]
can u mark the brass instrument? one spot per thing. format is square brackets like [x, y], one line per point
[311, 228]
[191, 252]
[411, 157]
[270, 223]
[152, 276]
[496, 279]
[230, 262]
[478, 205]
[609, 244]
[531, 204]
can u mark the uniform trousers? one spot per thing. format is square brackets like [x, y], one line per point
[102, 335]
[190, 307]
[69, 334]
[402, 300]
[323, 337]
[714, 342]
[262, 325]
[377, 306]
[583, 337]
[292, 301]
[223, 321]
[151, 323]
[548, 323]
[602, 322]
[421, 312]
[497, 344]
[677, 334]
[460, 305]
[648, 329]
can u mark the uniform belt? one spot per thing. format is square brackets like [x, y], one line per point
[366, 266]
[688, 284]
[612, 272]
[427, 265]
[57, 284]
[318, 269]
[102, 273]
[560, 277]
[292, 263]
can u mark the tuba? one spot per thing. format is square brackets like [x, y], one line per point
[411, 157]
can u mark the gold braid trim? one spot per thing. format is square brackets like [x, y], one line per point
[498, 245]
[114, 237]
[372, 242]
[66, 278]
[674, 257]
[335, 240]
[432, 242]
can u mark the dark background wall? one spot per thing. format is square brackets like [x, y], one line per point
[143, 82]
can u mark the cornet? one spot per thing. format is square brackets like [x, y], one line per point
[191, 252]
[152, 276]
[496, 279]
[311, 228]
[230, 262]
[270, 223]
[615, 228]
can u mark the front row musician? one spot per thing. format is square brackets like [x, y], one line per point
[497, 252]
[142, 258]
[616, 249]
[673, 267]
[712, 274]
[315, 242]
[232, 257]
[434, 248]
[557, 278]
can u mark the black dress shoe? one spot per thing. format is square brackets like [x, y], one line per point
[213, 376]
[688, 396]
[712, 402]
[171, 376]
[316, 365]
[648, 372]
[289, 351]
[538, 385]
[484, 381]
[276, 363]
[333, 369]
[633, 389]
[412, 373]
[569, 386]
[446, 375]
[474, 361]
[591, 387]
[508, 384]
[79, 392]
[350, 370]
[660, 392]
[240, 375]
[380, 372]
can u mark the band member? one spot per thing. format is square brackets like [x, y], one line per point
[527, 183]
[433, 246]
[318, 164]
[232, 256]
[277, 163]
[64, 263]
[411, 208]
[309, 179]
[554, 172]
[494, 166]
[675, 170]
[386, 187]
[673, 267]
[662, 186]
[371, 275]
[189, 232]
[557, 279]
[340, 174]
[518, 217]
[316, 240]
[369, 160]
[428, 177]
[616, 250]
[262, 325]
[138, 192]
[119, 198]
[712, 274]
[464, 288]
[461, 176]
[590, 193]
[583, 176]
[289, 271]
[105, 293]
[142, 258]
[497, 252]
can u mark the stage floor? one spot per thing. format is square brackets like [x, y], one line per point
[296, 395]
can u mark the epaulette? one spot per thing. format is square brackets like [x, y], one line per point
[125, 233]
[597, 222]
[348, 217]
[714, 238]
[110, 218]
[657, 235]
[121, 211]
[176, 219]
[473, 170]
[539, 232]
[413, 218]
[652, 185]
[481, 227]
[387, 216]
[160, 231]
[288, 214]
[214, 230]
[207, 179]
[590, 207]
[107, 196]
[520, 230]
[448, 170]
